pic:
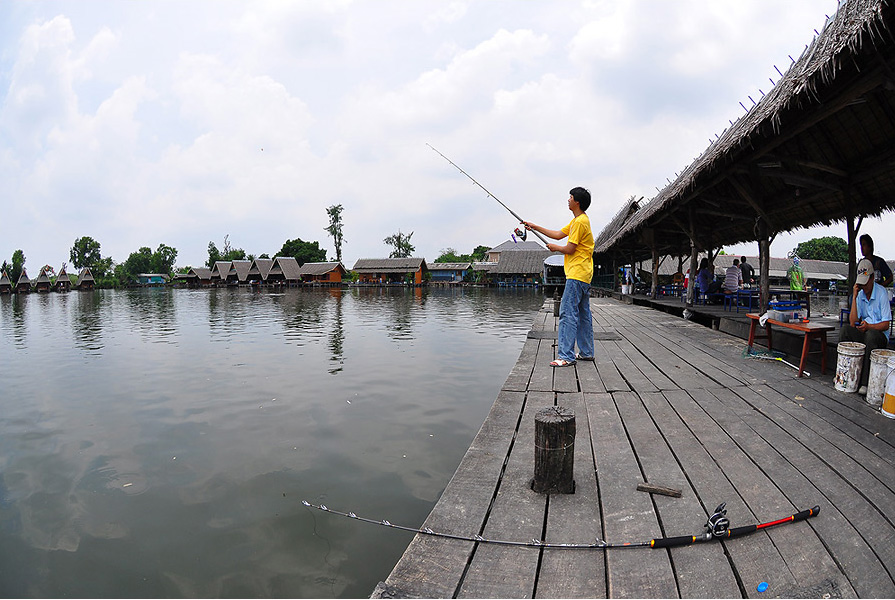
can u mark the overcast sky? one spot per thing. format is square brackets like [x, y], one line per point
[142, 123]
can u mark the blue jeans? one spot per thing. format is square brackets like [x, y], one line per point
[575, 323]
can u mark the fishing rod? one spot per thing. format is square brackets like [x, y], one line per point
[520, 232]
[717, 527]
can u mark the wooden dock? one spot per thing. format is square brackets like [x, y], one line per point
[674, 404]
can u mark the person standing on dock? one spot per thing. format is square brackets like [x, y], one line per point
[575, 322]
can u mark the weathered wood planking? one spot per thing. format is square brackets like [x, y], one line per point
[574, 519]
[866, 574]
[517, 515]
[677, 405]
[628, 515]
[433, 567]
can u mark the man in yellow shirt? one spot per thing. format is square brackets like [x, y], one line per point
[575, 324]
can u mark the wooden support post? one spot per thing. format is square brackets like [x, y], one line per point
[554, 451]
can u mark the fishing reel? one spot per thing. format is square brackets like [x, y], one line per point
[718, 523]
[521, 233]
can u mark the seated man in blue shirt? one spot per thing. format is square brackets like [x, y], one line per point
[868, 321]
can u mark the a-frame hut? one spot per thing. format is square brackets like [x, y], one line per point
[259, 270]
[23, 285]
[219, 272]
[63, 281]
[284, 271]
[239, 272]
[43, 283]
[85, 280]
[5, 284]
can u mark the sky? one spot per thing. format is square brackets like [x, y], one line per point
[180, 123]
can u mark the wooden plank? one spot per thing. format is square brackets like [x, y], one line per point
[628, 515]
[574, 519]
[609, 374]
[753, 562]
[589, 378]
[517, 380]
[542, 374]
[632, 375]
[768, 445]
[702, 570]
[518, 514]
[433, 567]
[800, 548]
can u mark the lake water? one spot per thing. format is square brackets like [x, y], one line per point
[158, 443]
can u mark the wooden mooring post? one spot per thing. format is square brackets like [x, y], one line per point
[554, 451]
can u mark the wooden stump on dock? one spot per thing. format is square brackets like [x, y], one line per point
[554, 451]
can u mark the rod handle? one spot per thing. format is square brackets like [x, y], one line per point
[671, 542]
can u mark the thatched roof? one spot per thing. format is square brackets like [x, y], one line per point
[521, 262]
[200, 273]
[260, 267]
[287, 266]
[820, 146]
[320, 268]
[390, 265]
[85, 275]
[221, 269]
[240, 269]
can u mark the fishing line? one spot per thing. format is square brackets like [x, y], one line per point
[717, 527]
[518, 232]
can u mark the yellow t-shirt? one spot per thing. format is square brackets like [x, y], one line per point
[580, 264]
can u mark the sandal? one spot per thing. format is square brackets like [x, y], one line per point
[562, 363]
[589, 358]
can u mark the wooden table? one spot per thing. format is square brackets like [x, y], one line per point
[811, 331]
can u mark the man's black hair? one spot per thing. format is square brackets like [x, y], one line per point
[581, 196]
[866, 239]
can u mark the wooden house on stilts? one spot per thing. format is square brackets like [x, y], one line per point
[23, 285]
[85, 281]
[43, 283]
[63, 281]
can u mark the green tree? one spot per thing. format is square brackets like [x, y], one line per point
[227, 253]
[335, 228]
[163, 260]
[85, 253]
[480, 253]
[401, 244]
[449, 255]
[303, 252]
[18, 263]
[824, 248]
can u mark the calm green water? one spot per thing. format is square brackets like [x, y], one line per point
[158, 443]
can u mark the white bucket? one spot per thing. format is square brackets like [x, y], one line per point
[880, 368]
[848, 366]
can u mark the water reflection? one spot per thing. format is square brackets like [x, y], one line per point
[120, 470]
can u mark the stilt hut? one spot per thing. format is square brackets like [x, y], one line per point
[5, 284]
[85, 281]
[198, 277]
[219, 272]
[239, 272]
[327, 273]
[259, 270]
[43, 283]
[23, 285]
[284, 271]
[63, 281]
